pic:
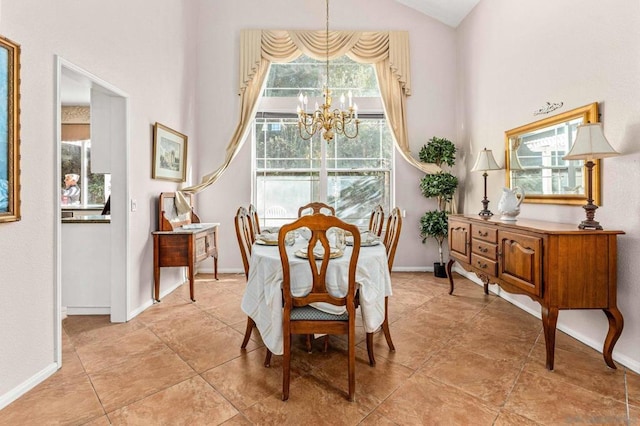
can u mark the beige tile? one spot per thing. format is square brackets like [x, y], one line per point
[139, 377]
[633, 384]
[376, 419]
[424, 401]
[206, 351]
[506, 418]
[202, 403]
[552, 401]
[485, 343]
[486, 378]
[61, 399]
[109, 353]
[579, 368]
[168, 308]
[88, 329]
[311, 402]
[184, 326]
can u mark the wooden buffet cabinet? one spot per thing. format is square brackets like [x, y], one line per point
[182, 241]
[555, 264]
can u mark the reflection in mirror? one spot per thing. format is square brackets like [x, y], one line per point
[534, 159]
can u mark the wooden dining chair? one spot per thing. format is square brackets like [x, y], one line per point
[391, 237]
[255, 220]
[316, 207]
[246, 238]
[299, 317]
[376, 222]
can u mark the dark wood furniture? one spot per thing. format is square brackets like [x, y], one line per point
[555, 264]
[182, 241]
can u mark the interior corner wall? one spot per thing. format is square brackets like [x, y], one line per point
[143, 49]
[513, 57]
[431, 108]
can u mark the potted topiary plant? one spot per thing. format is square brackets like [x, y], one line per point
[441, 186]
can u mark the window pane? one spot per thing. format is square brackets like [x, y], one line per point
[279, 146]
[309, 76]
[279, 195]
[354, 195]
[371, 149]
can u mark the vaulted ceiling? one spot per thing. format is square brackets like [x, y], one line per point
[450, 12]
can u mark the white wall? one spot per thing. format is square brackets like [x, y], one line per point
[140, 47]
[431, 108]
[514, 57]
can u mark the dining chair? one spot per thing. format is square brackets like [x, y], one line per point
[246, 238]
[376, 222]
[391, 237]
[299, 317]
[255, 221]
[316, 207]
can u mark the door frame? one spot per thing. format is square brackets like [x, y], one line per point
[120, 241]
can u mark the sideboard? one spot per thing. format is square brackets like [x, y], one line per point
[557, 265]
[182, 241]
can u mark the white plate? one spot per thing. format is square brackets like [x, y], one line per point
[319, 255]
[267, 243]
[365, 243]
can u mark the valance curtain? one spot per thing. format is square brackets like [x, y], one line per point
[388, 51]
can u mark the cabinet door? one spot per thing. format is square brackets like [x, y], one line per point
[459, 240]
[200, 247]
[520, 261]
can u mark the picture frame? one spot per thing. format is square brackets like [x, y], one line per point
[9, 130]
[169, 154]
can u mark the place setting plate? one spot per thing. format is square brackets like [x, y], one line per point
[319, 254]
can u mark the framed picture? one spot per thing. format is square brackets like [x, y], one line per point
[9, 131]
[169, 154]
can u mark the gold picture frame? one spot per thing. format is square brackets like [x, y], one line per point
[9, 130]
[169, 154]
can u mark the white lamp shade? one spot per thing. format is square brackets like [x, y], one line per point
[590, 144]
[485, 161]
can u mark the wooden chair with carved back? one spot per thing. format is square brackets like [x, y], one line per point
[376, 221]
[299, 317]
[316, 207]
[391, 237]
[255, 220]
[246, 238]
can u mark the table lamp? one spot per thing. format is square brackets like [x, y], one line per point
[484, 163]
[590, 144]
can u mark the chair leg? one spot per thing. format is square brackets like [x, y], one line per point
[267, 359]
[309, 340]
[286, 366]
[385, 325]
[352, 365]
[247, 334]
[372, 360]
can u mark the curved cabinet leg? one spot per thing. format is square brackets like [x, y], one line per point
[450, 275]
[616, 323]
[549, 320]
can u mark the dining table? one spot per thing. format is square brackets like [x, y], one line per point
[262, 299]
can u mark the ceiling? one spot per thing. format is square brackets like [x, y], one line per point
[450, 12]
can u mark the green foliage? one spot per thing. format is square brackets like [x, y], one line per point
[440, 185]
[438, 151]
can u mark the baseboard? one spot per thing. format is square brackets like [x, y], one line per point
[27, 385]
[630, 363]
[88, 310]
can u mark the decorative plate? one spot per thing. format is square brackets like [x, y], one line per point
[302, 253]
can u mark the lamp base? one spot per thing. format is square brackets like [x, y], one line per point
[590, 224]
[485, 213]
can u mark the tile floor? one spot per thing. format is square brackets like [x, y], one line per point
[462, 359]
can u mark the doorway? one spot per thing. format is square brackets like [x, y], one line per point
[109, 123]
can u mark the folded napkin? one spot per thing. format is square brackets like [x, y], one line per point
[268, 237]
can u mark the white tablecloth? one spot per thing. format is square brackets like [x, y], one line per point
[262, 299]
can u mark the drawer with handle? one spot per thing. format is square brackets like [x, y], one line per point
[487, 266]
[485, 249]
[484, 233]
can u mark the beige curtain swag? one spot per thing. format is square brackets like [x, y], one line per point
[387, 50]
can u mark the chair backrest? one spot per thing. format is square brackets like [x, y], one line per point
[392, 235]
[316, 207]
[318, 224]
[255, 221]
[376, 222]
[245, 236]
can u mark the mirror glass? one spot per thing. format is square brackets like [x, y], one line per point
[534, 159]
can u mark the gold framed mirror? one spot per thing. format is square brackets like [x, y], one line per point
[533, 159]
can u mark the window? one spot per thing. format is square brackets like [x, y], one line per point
[94, 187]
[352, 175]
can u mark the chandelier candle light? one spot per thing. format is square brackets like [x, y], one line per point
[485, 162]
[331, 122]
[590, 144]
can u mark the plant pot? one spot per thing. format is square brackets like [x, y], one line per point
[439, 270]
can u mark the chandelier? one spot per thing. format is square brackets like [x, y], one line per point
[331, 122]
